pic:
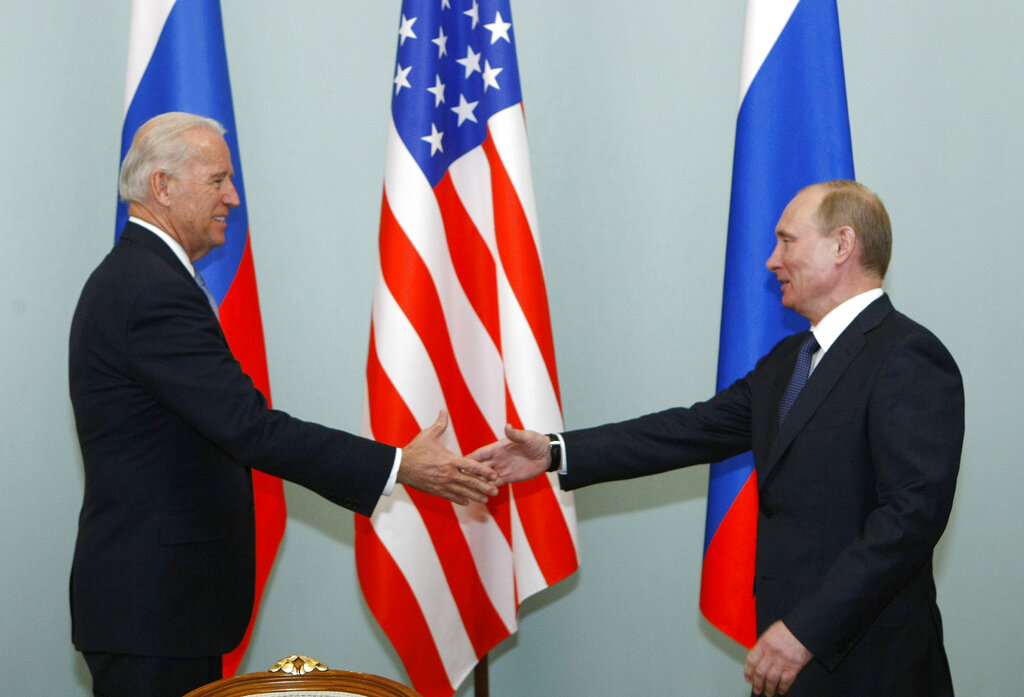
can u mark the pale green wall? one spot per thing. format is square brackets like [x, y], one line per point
[631, 109]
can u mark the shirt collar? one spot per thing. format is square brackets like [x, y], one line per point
[835, 322]
[178, 250]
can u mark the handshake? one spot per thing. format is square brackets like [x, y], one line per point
[430, 467]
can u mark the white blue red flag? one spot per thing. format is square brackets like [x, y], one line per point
[177, 62]
[460, 322]
[792, 131]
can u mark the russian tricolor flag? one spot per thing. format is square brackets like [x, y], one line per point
[177, 62]
[792, 131]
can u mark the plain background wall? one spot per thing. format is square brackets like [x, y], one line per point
[631, 109]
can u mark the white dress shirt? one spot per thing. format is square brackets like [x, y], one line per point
[837, 320]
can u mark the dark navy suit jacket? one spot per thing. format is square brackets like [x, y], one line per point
[855, 490]
[169, 427]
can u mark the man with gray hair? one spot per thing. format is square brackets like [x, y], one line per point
[163, 577]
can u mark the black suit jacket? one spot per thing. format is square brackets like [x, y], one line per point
[855, 490]
[169, 427]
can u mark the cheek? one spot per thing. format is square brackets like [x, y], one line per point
[801, 262]
[210, 204]
[786, 260]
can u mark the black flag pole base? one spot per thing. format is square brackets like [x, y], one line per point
[480, 688]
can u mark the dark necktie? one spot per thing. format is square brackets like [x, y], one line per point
[796, 381]
[207, 293]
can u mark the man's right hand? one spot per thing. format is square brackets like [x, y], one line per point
[433, 469]
[520, 455]
[774, 662]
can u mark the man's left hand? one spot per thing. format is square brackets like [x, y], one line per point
[772, 665]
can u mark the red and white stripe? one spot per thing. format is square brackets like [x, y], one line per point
[461, 322]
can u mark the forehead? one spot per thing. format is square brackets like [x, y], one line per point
[210, 153]
[801, 213]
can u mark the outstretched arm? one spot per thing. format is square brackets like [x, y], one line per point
[522, 454]
[430, 467]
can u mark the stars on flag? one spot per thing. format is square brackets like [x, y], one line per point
[405, 31]
[498, 29]
[438, 91]
[471, 62]
[474, 14]
[468, 56]
[442, 43]
[434, 139]
[465, 110]
[490, 76]
[401, 78]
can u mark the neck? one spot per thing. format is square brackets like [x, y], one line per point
[841, 295]
[149, 213]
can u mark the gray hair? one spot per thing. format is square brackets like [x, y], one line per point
[158, 145]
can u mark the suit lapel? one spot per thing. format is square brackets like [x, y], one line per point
[824, 378]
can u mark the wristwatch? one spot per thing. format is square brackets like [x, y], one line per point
[555, 446]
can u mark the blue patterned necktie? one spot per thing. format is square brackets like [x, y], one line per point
[207, 293]
[796, 381]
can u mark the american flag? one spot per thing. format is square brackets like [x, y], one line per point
[460, 322]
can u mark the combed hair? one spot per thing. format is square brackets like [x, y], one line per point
[158, 145]
[851, 203]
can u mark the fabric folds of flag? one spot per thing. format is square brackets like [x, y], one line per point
[460, 322]
[792, 131]
[177, 62]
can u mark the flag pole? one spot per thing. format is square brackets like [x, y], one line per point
[480, 678]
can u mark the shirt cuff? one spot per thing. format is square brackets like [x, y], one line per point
[562, 467]
[390, 486]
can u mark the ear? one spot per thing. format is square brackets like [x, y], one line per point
[159, 187]
[846, 243]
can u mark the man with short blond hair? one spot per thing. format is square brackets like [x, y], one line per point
[856, 428]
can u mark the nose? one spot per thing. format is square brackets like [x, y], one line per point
[772, 264]
[231, 197]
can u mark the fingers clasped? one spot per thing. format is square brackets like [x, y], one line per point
[430, 467]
